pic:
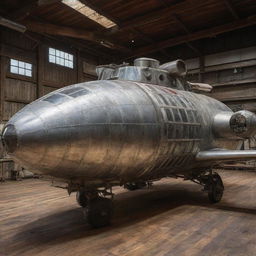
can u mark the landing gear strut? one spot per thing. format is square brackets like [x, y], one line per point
[98, 208]
[213, 184]
[81, 198]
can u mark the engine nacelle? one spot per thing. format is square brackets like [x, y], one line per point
[239, 124]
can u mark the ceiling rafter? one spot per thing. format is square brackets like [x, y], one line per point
[187, 30]
[119, 24]
[70, 42]
[178, 20]
[210, 32]
[232, 9]
[156, 15]
[52, 29]
[100, 11]
[26, 10]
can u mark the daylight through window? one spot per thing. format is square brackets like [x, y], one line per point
[61, 58]
[20, 68]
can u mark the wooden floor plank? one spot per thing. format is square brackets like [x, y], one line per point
[171, 218]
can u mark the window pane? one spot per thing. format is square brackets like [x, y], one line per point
[21, 68]
[71, 90]
[70, 57]
[52, 51]
[60, 58]
[56, 98]
[28, 66]
[29, 73]
[21, 71]
[21, 64]
[80, 93]
[14, 62]
[14, 69]
[52, 59]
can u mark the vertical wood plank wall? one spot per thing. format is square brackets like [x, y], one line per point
[16, 91]
[233, 77]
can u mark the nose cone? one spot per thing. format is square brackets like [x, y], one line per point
[9, 138]
[22, 138]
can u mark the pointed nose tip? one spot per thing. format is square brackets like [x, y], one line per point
[9, 138]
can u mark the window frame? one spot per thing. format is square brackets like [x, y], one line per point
[21, 65]
[60, 58]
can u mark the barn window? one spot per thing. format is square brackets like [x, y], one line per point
[61, 58]
[20, 68]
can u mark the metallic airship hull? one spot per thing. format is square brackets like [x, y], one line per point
[114, 130]
[142, 123]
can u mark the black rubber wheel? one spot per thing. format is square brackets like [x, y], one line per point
[135, 185]
[215, 188]
[81, 198]
[99, 212]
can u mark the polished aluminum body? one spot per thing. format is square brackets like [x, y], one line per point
[117, 131]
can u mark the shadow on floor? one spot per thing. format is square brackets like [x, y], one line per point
[130, 209]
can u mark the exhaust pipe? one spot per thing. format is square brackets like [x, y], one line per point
[177, 67]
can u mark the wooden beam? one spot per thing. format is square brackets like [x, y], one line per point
[231, 8]
[210, 32]
[234, 93]
[235, 82]
[12, 25]
[90, 4]
[118, 23]
[240, 64]
[181, 23]
[45, 38]
[25, 11]
[57, 30]
[187, 30]
[159, 14]
[47, 2]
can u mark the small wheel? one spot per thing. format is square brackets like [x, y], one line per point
[99, 212]
[135, 185]
[215, 188]
[81, 198]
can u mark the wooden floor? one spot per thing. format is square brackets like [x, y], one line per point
[172, 218]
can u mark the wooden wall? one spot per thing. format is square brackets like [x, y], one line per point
[16, 91]
[233, 77]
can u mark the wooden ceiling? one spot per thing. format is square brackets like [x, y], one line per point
[144, 27]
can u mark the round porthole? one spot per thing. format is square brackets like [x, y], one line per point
[161, 77]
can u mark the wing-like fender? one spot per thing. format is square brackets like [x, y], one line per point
[225, 155]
